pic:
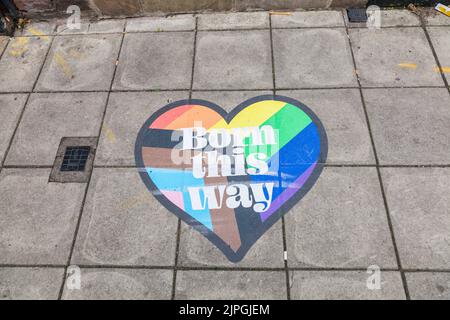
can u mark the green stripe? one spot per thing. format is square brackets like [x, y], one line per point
[289, 121]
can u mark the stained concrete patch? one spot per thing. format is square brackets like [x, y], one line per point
[410, 126]
[429, 285]
[80, 63]
[196, 250]
[38, 219]
[341, 112]
[50, 117]
[231, 285]
[233, 60]
[3, 43]
[307, 19]
[404, 59]
[11, 107]
[122, 284]
[340, 223]
[239, 20]
[434, 18]
[30, 283]
[312, 58]
[158, 24]
[399, 18]
[123, 223]
[419, 206]
[125, 114]
[344, 285]
[168, 66]
[39, 29]
[441, 42]
[21, 63]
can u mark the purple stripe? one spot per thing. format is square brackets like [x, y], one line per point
[288, 193]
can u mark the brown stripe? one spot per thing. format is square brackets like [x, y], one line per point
[164, 158]
[224, 219]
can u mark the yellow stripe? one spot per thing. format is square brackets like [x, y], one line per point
[252, 116]
[408, 65]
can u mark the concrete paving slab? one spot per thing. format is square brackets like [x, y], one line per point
[197, 251]
[419, 206]
[233, 60]
[236, 20]
[228, 100]
[394, 57]
[122, 284]
[342, 114]
[21, 63]
[441, 43]
[30, 283]
[123, 223]
[231, 285]
[313, 58]
[340, 223]
[125, 115]
[12, 105]
[160, 24]
[429, 285]
[344, 285]
[50, 117]
[78, 63]
[167, 63]
[307, 19]
[107, 26]
[410, 126]
[38, 218]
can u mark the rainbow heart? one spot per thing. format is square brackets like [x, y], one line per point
[232, 175]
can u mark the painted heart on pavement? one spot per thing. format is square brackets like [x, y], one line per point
[231, 176]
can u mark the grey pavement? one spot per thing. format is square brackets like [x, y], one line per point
[382, 199]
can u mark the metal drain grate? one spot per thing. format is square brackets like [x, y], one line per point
[357, 15]
[75, 158]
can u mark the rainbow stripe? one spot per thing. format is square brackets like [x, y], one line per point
[291, 161]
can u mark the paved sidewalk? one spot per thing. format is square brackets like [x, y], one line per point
[382, 199]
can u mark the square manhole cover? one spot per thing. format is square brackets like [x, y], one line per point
[74, 160]
[357, 15]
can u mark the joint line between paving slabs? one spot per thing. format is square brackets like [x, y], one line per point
[436, 58]
[80, 215]
[283, 228]
[178, 235]
[383, 193]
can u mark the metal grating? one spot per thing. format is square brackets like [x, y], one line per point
[357, 15]
[75, 158]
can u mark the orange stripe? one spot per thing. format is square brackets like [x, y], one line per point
[165, 119]
[195, 117]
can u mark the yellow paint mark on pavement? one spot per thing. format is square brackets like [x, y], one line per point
[408, 65]
[19, 47]
[280, 13]
[64, 65]
[442, 69]
[109, 134]
[38, 33]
